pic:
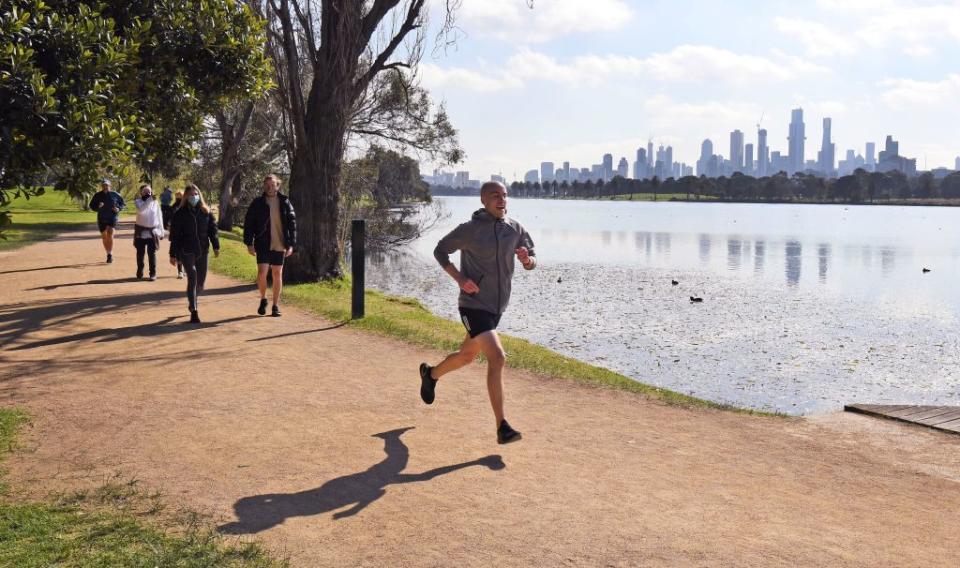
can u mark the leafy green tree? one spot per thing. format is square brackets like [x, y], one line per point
[86, 86]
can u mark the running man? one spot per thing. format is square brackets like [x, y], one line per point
[488, 243]
[107, 204]
[270, 233]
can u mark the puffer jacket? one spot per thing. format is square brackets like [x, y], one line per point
[256, 225]
[192, 231]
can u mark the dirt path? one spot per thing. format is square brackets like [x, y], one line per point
[314, 440]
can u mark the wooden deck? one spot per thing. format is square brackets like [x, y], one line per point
[945, 418]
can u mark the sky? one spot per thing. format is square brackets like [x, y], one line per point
[570, 80]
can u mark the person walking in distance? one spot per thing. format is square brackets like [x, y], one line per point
[108, 204]
[270, 233]
[166, 206]
[192, 230]
[147, 230]
[177, 200]
[488, 244]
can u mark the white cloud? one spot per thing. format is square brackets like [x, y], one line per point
[512, 20]
[700, 64]
[666, 113]
[912, 26]
[435, 77]
[818, 39]
[865, 24]
[902, 93]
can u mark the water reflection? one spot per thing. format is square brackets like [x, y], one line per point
[793, 254]
[704, 249]
[759, 250]
[734, 253]
[823, 258]
[887, 257]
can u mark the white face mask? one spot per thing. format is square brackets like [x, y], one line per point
[193, 199]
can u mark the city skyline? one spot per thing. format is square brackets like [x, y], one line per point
[712, 163]
[571, 81]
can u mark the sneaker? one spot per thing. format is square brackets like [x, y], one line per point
[428, 384]
[109, 258]
[194, 316]
[153, 277]
[506, 434]
[262, 310]
[275, 312]
[139, 275]
[180, 275]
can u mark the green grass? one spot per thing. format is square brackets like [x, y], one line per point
[113, 525]
[43, 217]
[408, 320]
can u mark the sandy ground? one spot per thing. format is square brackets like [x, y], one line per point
[313, 440]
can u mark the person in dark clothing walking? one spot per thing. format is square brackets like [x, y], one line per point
[166, 207]
[192, 230]
[108, 204]
[488, 244]
[270, 233]
[174, 206]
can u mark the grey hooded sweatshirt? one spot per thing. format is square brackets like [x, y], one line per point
[487, 248]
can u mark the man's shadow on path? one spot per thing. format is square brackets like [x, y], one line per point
[261, 512]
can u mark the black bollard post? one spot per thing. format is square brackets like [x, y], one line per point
[357, 239]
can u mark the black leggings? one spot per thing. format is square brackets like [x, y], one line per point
[150, 247]
[196, 268]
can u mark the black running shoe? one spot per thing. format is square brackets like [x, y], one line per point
[262, 310]
[427, 384]
[506, 434]
[139, 275]
[109, 258]
[275, 312]
[194, 317]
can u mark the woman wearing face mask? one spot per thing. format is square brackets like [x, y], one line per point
[191, 232]
[148, 230]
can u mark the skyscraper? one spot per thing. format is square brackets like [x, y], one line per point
[871, 156]
[463, 179]
[736, 151]
[546, 171]
[796, 141]
[649, 155]
[623, 168]
[763, 153]
[956, 164]
[566, 172]
[668, 162]
[706, 152]
[607, 167]
[532, 176]
[825, 158]
[640, 168]
[748, 160]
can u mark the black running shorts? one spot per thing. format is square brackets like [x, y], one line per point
[273, 258]
[103, 225]
[478, 321]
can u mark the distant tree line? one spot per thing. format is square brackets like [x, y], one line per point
[860, 187]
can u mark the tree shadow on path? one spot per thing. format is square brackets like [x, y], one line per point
[261, 512]
[88, 283]
[59, 267]
[165, 326]
[19, 320]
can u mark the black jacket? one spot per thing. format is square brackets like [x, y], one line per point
[192, 231]
[256, 225]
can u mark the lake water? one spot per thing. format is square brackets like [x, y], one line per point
[805, 307]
